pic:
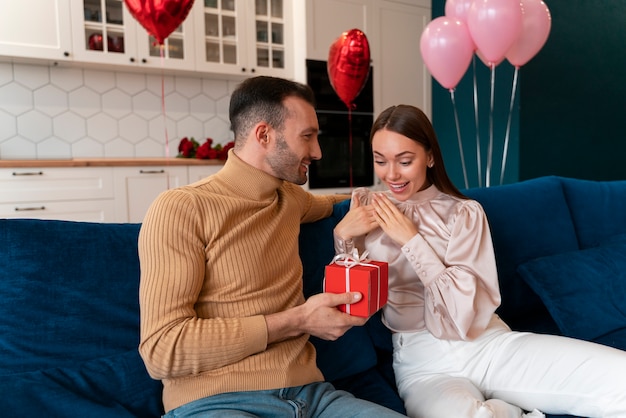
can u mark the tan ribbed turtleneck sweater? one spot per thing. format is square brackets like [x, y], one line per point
[216, 256]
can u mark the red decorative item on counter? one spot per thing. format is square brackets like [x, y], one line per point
[190, 148]
[349, 65]
[159, 17]
[349, 273]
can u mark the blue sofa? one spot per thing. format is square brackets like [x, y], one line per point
[69, 306]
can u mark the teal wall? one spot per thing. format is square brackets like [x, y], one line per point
[478, 76]
[569, 116]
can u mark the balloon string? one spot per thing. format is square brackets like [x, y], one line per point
[458, 135]
[508, 124]
[491, 106]
[350, 144]
[167, 139]
[478, 151]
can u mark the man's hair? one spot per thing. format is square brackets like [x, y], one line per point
[260, 99]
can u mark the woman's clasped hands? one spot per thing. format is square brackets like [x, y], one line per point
[382, 213]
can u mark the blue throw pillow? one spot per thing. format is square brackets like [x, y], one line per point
[583, 290]
[598, 209]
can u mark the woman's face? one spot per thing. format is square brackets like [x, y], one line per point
[400, 163]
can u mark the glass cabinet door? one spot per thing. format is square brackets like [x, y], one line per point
[221, 30]
[176, 51]
[110, 34]
[104, 26]
[270, 33]
[243, 37]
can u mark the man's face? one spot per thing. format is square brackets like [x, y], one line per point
[297, 145]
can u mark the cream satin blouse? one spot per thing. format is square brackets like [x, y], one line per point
[444, 279]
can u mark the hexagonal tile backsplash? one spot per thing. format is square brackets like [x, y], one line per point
[59, 112]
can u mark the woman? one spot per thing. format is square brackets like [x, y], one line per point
[453, 356]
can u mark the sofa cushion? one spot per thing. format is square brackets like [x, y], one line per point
[528, 219]
[354, 352]
[584, 290]
[598, 209]
[69, 292]
[116, 386]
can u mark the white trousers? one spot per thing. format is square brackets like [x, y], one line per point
[503, 372]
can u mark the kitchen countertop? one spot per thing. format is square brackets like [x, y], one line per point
[107, 162]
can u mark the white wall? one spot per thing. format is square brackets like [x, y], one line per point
[64, 112]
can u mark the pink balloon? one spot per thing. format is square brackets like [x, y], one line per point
[458, 9]
[536, 23]
[447, 50]
[494, 26]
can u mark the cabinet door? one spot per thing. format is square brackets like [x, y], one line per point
[36, 29]
[45, 184]
[221, 26]
[75, 210]
[328, 19]
[177, 51]
[137, 187]
[270, 43]
[103, 32]
[245, 37]
[73, 194]
[400, 75]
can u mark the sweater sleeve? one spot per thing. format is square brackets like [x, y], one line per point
[461, 289]
[174, 340]
[314, 206]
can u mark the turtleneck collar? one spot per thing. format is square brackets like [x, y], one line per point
[248, 181]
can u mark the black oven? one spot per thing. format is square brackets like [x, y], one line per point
[344, 136]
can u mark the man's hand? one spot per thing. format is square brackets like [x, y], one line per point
[318, 316]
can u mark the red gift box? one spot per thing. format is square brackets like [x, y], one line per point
[351, 274]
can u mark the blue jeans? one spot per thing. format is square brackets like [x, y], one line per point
[319, 400]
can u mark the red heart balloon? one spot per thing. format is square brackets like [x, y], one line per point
[159, 17]
[349, 65]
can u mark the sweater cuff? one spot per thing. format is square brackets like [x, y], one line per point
[255, 332]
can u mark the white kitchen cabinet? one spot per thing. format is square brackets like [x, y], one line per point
[245, 37]
[224, 37]
[137, 187]
[393, 29]
[77, 193]
[36, 28]
[400, 74]
[328, 19]
[105, 32]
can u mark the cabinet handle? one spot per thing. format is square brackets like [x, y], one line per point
[29, 173]
[151, 171]
[30, 208]
[144, 61]
[132, 59]
[66, 54]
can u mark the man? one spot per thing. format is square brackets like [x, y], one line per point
[224, 323]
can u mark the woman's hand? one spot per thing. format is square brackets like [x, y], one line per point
[395, 224]
[359, 220]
